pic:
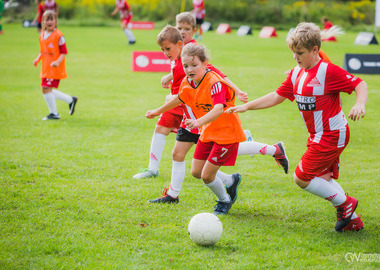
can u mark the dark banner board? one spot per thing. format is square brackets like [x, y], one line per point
[362, 63]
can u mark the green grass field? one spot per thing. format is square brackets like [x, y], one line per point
[68, 199]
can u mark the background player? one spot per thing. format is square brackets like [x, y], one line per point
[38, 17]
[51, 5]
[52, 54]
[125, 16]
[1, 12]
[315, 84]
[199, 12]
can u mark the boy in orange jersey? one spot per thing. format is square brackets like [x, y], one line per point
[125, 16]
[207, 94]
[316, 85]
[38, 18]
[52, 54]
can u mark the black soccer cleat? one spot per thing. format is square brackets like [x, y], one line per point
[281, 157]
[72, 105]
[165, 199]
[222, 208]
[52, 116]
[344, 213]
[233, 190]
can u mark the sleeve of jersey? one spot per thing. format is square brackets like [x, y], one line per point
[217, 71]
[219, 94]
[286, 88]
[62, 45]
[339, 80]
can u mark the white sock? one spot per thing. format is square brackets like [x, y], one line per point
[50, 101]
[217, 188]
[129, 35]
[338, 187]
[156, 148]
[62, 96]
[323, 189]
[178, 175]
[253, 148]
[225, 178]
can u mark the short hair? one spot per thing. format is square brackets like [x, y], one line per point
[47, 15]
[186, 17]
[306, 35]
[195, 50]
[170, 34]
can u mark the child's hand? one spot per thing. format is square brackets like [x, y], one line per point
[243, 96]
[151, 114]
[165, 81]
[55, 64]
[357, 112]
[241, 108]
[191, 123]
[35, 62]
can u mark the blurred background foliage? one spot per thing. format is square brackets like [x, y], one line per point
[279, 13]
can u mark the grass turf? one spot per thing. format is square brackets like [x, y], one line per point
[68, 200]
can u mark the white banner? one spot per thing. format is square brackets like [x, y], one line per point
[377, 14]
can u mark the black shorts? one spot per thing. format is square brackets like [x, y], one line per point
[184, 135]
[199, 21]
[39, 25]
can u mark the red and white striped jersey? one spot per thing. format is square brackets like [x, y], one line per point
[50, 5]
[316, 92]
[199, 9]
[123, 8]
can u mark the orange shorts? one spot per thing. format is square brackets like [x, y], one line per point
[217, 154]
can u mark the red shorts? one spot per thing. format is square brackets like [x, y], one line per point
[51, 83]
[317, 161]
[217, 154]
[170, 120]
[126, 20]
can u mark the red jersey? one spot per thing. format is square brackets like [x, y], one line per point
[123, 8]
[50, 5]
[199, 9]
[40, 11]
[316, 92]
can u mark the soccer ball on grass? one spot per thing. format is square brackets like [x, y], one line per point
[205, 229]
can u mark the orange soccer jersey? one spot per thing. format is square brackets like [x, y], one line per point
[50, 52]
[226, 129]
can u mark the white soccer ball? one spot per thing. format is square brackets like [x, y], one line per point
[205, 229]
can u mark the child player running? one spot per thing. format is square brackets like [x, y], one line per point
[52, 54]
[199, 11]
[186, 24]
[315, 85]
[220, 135]
[170, 41]
[125, 16]
[38, 18]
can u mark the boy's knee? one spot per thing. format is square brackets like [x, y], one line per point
[196, 174]
[301, 183]
[178, 156]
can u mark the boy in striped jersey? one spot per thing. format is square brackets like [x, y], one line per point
[315, 85]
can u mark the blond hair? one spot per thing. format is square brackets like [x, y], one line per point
[169, 33]
[186, 17]
[306, 35]
[195, 51]
[48, 15]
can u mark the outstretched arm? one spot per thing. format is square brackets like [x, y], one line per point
[358, 110]
[267, 101]
[207, 118]
[172, 103]
[113, 13]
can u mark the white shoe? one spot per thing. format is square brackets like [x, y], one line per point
[145, 174]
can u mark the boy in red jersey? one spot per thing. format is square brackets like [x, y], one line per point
[327, 25]
[38, 18]
[315, 84]
[125, 16]
[52, 54]
[207, 94]
[51, 5]
[199, 11]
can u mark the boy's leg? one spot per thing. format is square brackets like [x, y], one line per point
[277, 151]
[72, 101]
[128, 33]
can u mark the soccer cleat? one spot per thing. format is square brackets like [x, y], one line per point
[72, 105]
[51, 116]
[165, 199]
[355, 224]
[232, 190]
[132, 42]
[281, 157]
[344, 213]
[146, 173]
[222, 208]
